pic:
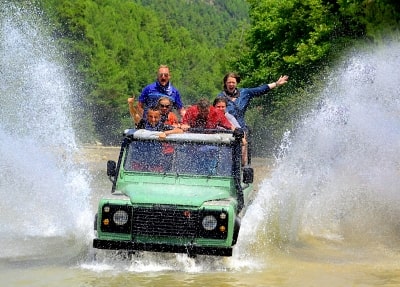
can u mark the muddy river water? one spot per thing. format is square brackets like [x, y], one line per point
[259, 259]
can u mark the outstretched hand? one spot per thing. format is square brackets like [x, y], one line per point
[282, 80]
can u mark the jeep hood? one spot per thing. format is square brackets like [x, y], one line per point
[189, 195]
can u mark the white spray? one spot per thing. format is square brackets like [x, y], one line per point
[338, 176]
[44, 193]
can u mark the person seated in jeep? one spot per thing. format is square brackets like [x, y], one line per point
[168, 117]
[162, 152]
[153, 123]
[203, 115]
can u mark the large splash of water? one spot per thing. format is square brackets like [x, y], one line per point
[43, 192]
[338, 177]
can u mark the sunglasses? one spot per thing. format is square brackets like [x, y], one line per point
[163, 74]
[165, 106]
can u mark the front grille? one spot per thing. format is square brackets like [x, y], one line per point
[165, 222]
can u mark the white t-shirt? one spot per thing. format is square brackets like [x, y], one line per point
[232, 120]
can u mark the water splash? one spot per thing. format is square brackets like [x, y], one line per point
[143, 262]
[338, 176]
[44, 193]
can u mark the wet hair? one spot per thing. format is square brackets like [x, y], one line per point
[231, 75]
[163, 98]
[163, 67]
[154, 108]
[203, 104]
[219, 100]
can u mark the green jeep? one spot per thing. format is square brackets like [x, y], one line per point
[183, 194]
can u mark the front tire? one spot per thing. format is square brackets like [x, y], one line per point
[95, 222]
[236, 229]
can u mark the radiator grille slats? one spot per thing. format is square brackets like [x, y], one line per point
[165, 222]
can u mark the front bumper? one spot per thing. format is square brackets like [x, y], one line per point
[191, 250]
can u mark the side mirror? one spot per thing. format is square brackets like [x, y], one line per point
[111, 168]
[248, 175]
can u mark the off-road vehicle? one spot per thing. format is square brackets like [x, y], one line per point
[182, 194]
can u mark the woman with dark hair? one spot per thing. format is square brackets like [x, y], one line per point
[220, 103]
[239, 99]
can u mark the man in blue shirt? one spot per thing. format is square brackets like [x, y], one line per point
[162, 87]
[239, 99]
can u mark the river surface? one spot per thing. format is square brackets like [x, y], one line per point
[327, 206]
[260, 259]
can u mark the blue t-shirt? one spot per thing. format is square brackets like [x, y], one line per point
[160, 127]
[238, 107]
[153, 92]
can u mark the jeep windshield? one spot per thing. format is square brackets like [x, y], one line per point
[195, 158]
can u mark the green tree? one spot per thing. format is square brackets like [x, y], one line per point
[300, 38]
[117, 46]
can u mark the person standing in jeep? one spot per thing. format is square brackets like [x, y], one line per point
[162, 87]
[239, 99]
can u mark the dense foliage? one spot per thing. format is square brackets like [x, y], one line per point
[117, 45]
[302, 38]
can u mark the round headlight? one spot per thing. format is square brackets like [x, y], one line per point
[120, 217]
[209, 222]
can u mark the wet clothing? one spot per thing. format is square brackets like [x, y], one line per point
[160, 127]
[215, 119]
[232, 120]
[243, 96]
[153, 92]
[169, 119]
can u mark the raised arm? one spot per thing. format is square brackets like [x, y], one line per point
[280, 82]
[134, 111]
